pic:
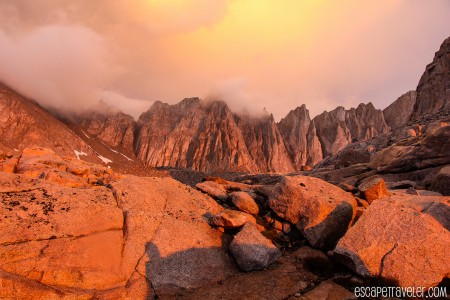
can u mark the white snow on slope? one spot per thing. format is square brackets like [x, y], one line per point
[104, 159]
[85, 134]
[126, 157]
[77, 154]
[112, 150]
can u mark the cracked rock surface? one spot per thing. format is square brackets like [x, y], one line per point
[403, 239]
[123, 240]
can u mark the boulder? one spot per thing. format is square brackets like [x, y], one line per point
[244, 202]
[213, 189]
[441, 182]
[229, 218]
[403, 239]
[117, 242]
[321, 211]
[251, 250]
[373, 188]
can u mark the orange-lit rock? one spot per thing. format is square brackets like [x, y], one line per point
[323, 212]
[124, 241]
[213, 189]
[403, 239]
[373, 188]
[231, 219]
[244, 202]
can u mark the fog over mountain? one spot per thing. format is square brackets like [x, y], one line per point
[253, 54]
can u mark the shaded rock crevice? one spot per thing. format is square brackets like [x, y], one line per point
[380, 273]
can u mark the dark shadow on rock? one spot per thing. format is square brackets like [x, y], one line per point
[326, 234]
[440, 212]
[189, 269]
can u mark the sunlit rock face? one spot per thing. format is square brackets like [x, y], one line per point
[399, 112]
[336, 129]
[209, 137]
[23, 123]
[433, 91]
[294, 129]
[110, 126]
[192, 134]
[379, 246]
[265, 143]
[82, 231]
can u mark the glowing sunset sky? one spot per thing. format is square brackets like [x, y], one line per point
[276, 54]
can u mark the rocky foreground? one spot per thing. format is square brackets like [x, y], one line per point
[76, 230]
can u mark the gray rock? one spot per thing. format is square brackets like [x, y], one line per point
[441, 182]
[252, 250]
[404, 184]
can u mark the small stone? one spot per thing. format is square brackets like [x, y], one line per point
[213, 189]
[373, 188]
[244, 202]
[412, 191]
[231, 219]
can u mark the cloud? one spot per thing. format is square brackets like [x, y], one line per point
[254, 54]
[62, 67]
[132, 106]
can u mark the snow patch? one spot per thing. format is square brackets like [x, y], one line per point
[17, 150]
[77, 154]
[126, 157]
[113, 150]
[104, 159]
[85, 134]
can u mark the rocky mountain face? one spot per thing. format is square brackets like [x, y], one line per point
[399, 112]
[208, 137]
[330, 132]
[90, 137]
[203, 136]
[294, 129]
[433, 91]
[109, 126]
[416, 150]
[265, 143]
[24, 123]
[192, 134]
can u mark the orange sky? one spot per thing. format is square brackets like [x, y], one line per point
[276, 54]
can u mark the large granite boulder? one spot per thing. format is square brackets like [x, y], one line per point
[126, 240]
[403, 239]
[321, 211]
